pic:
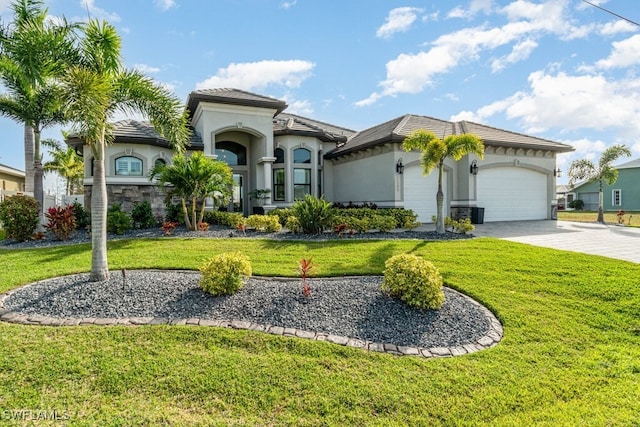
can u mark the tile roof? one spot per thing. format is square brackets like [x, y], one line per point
[291, 124]
[138, 132]
[398, 129]
[233, 97]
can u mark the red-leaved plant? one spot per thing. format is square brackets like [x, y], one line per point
[168, 227]
[61, 221]
[305, 267]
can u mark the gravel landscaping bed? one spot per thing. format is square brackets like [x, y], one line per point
[352, 307]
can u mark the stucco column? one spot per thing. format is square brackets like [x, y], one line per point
[267, 167]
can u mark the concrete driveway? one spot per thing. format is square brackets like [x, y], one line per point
[597, 239]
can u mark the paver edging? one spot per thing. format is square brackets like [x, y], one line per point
[490, 339]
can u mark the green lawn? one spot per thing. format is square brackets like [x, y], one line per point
[591, 216]
[570, 355]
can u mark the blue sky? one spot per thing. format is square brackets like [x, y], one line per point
[557, 69]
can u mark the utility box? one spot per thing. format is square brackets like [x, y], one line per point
[477, 215]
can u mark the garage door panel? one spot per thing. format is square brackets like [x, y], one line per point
[510, 194]
[420, 192]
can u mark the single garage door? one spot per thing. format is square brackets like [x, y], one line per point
[420, 192]
[512, 194]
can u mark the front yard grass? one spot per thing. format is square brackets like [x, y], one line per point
[570, 354]
[592, 216]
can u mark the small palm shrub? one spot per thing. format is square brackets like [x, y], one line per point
[225, 274]
[413, 280]
[270, 224]
[315, 214]
[118, 221]
[293, 224]
[19, 217]
[61, 221]
[142, 215]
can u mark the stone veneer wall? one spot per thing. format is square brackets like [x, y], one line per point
[127, 194]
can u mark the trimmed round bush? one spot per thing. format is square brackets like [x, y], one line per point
[414, 281]
[225, 273]
[19, 217]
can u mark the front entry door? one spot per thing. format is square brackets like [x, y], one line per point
[238, 194]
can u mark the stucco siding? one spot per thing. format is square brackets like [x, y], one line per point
[628, 183]
[369, 179]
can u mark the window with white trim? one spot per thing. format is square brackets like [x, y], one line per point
[616, 197]
[128, 166]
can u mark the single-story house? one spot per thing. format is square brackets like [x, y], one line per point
[623, 194]
[11, 180]
[291, 155]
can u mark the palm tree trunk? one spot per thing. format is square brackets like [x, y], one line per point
[38, 190]
[194, 220]
[440, 204]
[185, 212]
[99, 263]
[28, 158]
[600, 205]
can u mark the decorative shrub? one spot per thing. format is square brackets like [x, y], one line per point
[413, 280]
[282, 214]
[168, 227]
[203, 226]
[173, 212]
[83, 220]
[61, 221]
[315, 214]
[229, 219]
[383, 223]
[225, 273]
[142, 215]
[293, 224]
[270, 224]
[118, 222]
[576, 204]
[19, 217]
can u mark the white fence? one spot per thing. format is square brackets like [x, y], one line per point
[50, 200]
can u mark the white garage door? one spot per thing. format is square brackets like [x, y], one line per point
[512, 194]
[420, 192]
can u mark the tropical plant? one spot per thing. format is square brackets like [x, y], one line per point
[304, 268]
[96, 86]
[34, 51]
[315, 214]
[586, 170]
[435, 151]
[118, 221]
[193, 180]
[67, 163]
[81, 215]
[61, 221]
[19, 217]
[142, 215]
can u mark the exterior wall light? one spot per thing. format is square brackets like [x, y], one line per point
[473, 169]
[557, 173]
[399, 167]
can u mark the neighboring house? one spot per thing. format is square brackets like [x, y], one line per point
[623, 194]
[564, 195]
[11, 180]
[293, 156]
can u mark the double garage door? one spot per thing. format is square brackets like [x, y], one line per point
[506, 194]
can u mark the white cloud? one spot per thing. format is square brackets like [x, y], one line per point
[96, 12]
[288, 4]
[412, 73]
[258, 75]
[165, 5]
[475, 7]
[625, 53]
[612, 28]
[297, 106]
[398, 20]
[469, 116]
[146, 69]
[520, 52]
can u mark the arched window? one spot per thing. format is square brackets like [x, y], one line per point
[279, 155]
[231, 153]
[128, 166]
[301, 155]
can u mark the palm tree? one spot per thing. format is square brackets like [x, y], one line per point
[435, 151]
[66, 162]
[585, 170]
[193, 180]
[33, 52]
[98, 86]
